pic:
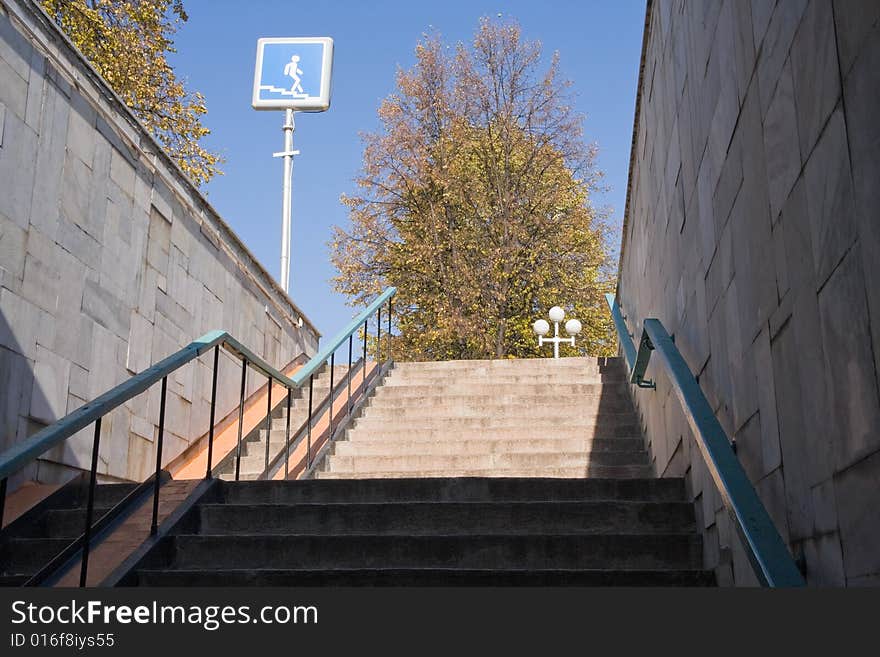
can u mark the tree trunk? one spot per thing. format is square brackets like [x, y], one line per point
[500, 351]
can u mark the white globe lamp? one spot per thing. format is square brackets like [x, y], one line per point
[542, 327]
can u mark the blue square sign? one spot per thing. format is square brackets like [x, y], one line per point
[293, 73]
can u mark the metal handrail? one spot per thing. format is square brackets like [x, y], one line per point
[19, 455]
[768, 554]
[635, 361]
[321, 357]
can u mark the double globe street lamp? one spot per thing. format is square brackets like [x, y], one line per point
[542, 328]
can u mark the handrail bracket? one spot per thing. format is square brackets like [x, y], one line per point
[636, 363]
[637, 375]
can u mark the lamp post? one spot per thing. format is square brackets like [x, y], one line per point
[541, 328]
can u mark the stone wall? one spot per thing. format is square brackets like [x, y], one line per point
[752, 230]
[110, 260]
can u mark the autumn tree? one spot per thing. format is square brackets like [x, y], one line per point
[127, 41]
[475, 202]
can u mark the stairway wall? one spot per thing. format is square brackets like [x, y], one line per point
[751, 230]
[110, 260]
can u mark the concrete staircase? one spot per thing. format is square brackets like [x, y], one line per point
[571, 417]
[453, 531]
[253, 448]
[458, 473]
[30, 543]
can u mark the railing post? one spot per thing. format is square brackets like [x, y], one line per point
[378, 335]
[90, 505]
[348, 406]
[309, 430]
[332, 371]
[268, 428]
[287, 437]
[389, 328]
[240, 417]
[365, 354]
[154, 525]
[213, 405]
[2, 499]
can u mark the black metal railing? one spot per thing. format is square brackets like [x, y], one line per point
[317, 445]
[92, 413]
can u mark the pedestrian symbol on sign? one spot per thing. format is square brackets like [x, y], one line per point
[293, 70]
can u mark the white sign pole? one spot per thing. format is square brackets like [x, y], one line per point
[292, 74]
[287, 190]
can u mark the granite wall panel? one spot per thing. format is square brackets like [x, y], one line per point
[776, 304]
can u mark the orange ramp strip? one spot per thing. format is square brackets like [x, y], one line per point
[24, 498]
[195, 459]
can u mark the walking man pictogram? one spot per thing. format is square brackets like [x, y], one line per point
[294, 71]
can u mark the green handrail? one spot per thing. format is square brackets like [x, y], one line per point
[635, 362]
[769, 556]
[629, 351]
[302, 374]
[20, 454]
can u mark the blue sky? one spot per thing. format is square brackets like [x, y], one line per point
[599, 45]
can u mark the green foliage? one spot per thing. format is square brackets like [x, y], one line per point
[127, 42]
[474, 201]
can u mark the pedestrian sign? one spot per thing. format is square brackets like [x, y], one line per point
[293, 73]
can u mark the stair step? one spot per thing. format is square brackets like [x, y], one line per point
[280, 424]
[604, 471]
[510, 364]
[503, 416]
[108, 495]
[242, 475]
[541, 405]
[42, 533]
[629, 551]
[424, 577]
[497, 489]
[481, 445]
[254, 464]
[502, 379]
[27, 555]
[298, 409]
[480, 388]
[503, 460]
[60, 523]
[624, 424]
[258, 447]
[436, 433]
[443, 518]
